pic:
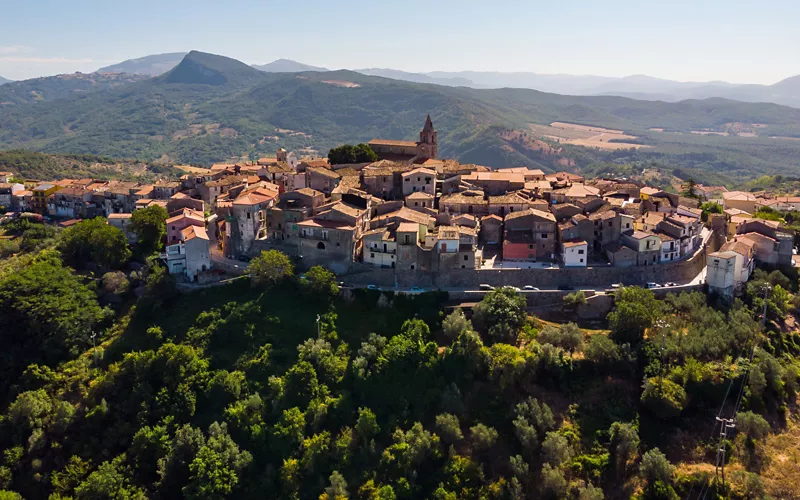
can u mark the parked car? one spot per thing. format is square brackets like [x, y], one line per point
[530, 288]
[416, 289]
[513, 288]
[486, 287]
[616, 285]
[373, 287]
[344, 284]
[653, 285]
[670, 284]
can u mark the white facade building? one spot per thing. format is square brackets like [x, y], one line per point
[574, 253]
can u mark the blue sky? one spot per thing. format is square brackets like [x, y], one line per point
[734, 40]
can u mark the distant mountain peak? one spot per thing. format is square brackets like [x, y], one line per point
[287, 66]
[203, 68]
[4, 80]
[152, 65]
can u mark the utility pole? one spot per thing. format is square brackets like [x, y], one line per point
[725, 425]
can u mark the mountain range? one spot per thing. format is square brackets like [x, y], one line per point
[642, 87]
[210, 108]
[4, 80]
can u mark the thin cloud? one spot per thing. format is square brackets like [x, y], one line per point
[50, 60]
[12, 49]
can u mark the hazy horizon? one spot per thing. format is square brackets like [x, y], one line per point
[717, 41]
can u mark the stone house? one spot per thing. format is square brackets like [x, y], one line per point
[740, 200]
[646, 245]
[322, 179]
[465, 202]
[419, 200]
[419, 180]
[332, 238]
[123, 223]
[529, 235]
[186, 217]
[190, 255]
[621, 256]
[379, 247]
[491, 232]
[577, 228]
[248, 220]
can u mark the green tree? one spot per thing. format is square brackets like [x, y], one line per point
[556, 449]
[501, 314]
[449, 428]
[602, 352]
[110, 480]
[322, 281]
[482, 437]
[664, 398]
[269, 268]
[150, 226]
[366, 425]
[574, 300]
[590, 492]
[623, 446]
[455, 324]
[338, 487]
[553, 484]
[215, 470]
[567, 336]
[96, 241]
[635, 311]
[690, 189]
[347, 153]
[657, 472]
[52, 311]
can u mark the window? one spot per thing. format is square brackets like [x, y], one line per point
[320, 246]
[248, 215]
[580, 252]
[324, 234]
[530, 247]
[372, 255]
[581, 261]
[609, 223]
[544, 236]
[466, 257]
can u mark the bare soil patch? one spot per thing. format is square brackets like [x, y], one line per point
[342, 83]
[586, 136]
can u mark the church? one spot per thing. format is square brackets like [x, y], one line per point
[427, 148]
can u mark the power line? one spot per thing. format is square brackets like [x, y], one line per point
[729, 424]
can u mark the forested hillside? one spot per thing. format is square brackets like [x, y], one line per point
[210, 108]
[28, 165]
[116, 385]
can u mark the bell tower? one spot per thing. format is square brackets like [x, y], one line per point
[428, 145]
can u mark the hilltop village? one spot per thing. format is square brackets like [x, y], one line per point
[412, 211]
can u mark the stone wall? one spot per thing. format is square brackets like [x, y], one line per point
[469, 279]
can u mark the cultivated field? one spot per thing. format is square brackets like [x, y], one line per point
[585, 135]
